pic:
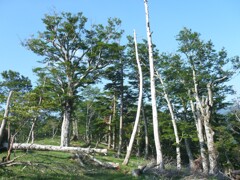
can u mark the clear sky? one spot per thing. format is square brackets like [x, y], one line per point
[218, 20]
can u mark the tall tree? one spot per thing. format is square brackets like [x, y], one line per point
[153, 91]
[208, 76]
[74, 55]
[129, 148]
[165, 59]
[12, 82]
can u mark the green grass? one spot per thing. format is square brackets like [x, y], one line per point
[55, 165]
[60, 165]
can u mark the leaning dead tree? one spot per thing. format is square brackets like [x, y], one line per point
[173, 117]
[129, 148]
[19, 146]
[4, 121]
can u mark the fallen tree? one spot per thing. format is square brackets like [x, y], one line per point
[25, 146]
[84, 158]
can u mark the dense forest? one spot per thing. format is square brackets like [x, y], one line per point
[129, 98]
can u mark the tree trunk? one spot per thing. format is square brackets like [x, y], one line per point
[65, 140]
[173, 117]
[75, 135]
[110, 132]
[153, 93]
[189, 153]
[138, 140]
[178, 153]
[114, 122]
[87, 129]
[212, 152]
[186, 140]
[31, 132]
[200, 118]
[145, 134]
[199, 127]
[129, 148]
[121, 115]
[4, 121]
[19, 146]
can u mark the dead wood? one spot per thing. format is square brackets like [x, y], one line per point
[84, 158]
[24, 146]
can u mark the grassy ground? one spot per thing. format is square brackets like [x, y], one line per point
[60, 165]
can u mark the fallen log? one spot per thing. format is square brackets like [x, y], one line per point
[88, 159]
[24, 146]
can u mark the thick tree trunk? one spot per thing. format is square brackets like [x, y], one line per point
[202, 144]
[75, 135]
[199, 115]
[4, 121]
[129, 148]
[23, 146]
[65, 139]
[199, 127]
[153, 93]
[212, 152]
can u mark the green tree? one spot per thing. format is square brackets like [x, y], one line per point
[14, 82]
[208, 76]
[74, 55]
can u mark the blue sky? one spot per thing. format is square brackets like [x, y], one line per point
[218, 20]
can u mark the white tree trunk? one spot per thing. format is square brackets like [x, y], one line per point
[153, 92]
[56, 148]
[75, 135]
[199, 127]
[4, 121]
[174, 123]
[212, 152]
[31, 132]
[110, 132]
[65, 127]
[129, 148]
[199, 115]
[178, 153]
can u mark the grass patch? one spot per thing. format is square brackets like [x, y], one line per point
[60, 165]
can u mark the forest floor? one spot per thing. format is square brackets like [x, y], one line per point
[61, 165]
